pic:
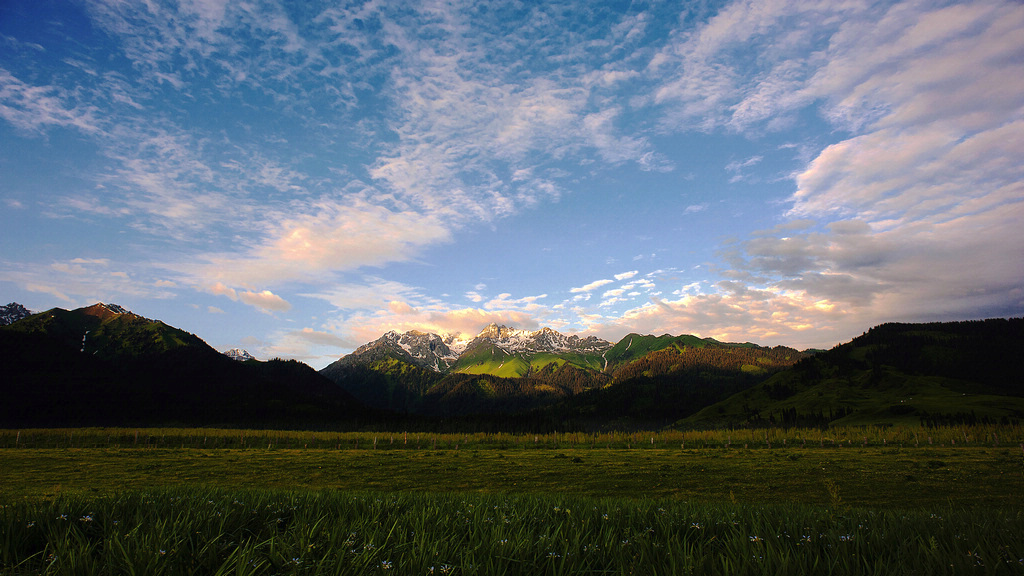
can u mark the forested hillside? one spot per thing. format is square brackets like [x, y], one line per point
[938, 373]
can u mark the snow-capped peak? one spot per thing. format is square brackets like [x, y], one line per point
[456, 342]
[439, 352]
[13, 312]
[115, 308]
[420, 348]
[239, 354]
[514, 340]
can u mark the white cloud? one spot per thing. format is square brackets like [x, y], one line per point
[85, 281]
[908, 217]
[369, 309]
[626, 275]
[590, 287]
[265, 300]
[327, 238]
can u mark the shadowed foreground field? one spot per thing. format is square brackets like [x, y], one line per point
[245, 502]
[869, 477]
[260, 532]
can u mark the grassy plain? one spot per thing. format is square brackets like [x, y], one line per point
[870, 467]
[199, 501]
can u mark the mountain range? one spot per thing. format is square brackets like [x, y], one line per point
[506, 371]
[488, 352]
[105, 365]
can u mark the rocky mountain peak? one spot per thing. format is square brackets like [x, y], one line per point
[105, 311]
[13, 312]
[439, 353]
[419, 348]
[493, 331]
[239, 354]
[513, 341]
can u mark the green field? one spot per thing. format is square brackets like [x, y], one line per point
[196, 501]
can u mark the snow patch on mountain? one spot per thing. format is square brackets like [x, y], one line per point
[115, 308]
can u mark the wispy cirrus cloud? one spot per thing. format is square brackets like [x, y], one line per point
[86, 281]
[36, 108]
[469, 128]
[476, 138]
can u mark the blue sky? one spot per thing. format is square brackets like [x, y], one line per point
[298, 178]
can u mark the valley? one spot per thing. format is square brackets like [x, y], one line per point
[127, 445]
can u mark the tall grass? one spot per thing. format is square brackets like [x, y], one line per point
[201, 531]
[895, 436]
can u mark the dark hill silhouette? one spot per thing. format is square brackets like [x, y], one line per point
[103, 366]
[934, 373]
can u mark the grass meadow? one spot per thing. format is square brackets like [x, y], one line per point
[866, 500]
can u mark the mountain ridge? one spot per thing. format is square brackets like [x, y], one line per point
[441, 353]
[931, 373]
[105, 365]
[505, 369]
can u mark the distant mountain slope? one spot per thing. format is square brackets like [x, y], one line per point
[670, 377]
[505, 370]
[423, 373]
[496, 350]
[103, 365]
[108, 331]
[932, 373]
[428, 351]
[384, 382]
[509, 352]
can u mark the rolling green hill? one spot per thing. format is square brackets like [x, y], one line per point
[940, 373]
[666, 378]
[103, 331]
[634, 346]
[487, 358]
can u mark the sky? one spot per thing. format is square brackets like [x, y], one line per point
[297, 178]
